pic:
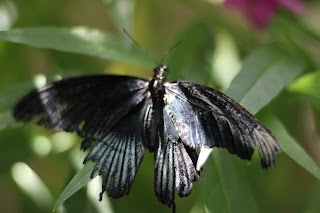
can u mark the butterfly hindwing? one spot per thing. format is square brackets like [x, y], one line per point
[89, 105]
[119, 153]
[205, 117]
[175, 164]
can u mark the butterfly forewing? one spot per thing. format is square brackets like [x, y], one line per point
[89, 105]
[205, 117]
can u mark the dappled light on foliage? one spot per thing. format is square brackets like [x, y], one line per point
[31, 184]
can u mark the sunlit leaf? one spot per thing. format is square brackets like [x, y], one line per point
[263, 75]
[291, 147]
[308, 86]
[81, 179]
[78, 40]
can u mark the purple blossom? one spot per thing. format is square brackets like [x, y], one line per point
[260, 12]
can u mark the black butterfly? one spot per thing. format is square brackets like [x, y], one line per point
[123, 116]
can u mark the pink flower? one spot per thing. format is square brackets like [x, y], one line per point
[260, 12]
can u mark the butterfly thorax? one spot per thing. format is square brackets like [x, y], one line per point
[156, 85]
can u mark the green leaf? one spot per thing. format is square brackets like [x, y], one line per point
[291, 147]
[263, 75]
[308, 86]
[78, 40]
[81, 179]
[225, 185]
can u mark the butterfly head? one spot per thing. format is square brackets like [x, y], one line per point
[160, 72]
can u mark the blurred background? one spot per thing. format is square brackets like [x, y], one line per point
[36, 164]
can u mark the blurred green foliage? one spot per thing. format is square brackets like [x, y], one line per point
[275, 72]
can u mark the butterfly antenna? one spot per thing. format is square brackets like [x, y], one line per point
[141, 48]
[170, 50]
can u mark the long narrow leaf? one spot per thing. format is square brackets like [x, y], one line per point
[291, 147]
[78, 40]
[263, 75]
[226, 185]
[81, 179]
[308, 87]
